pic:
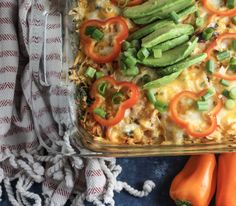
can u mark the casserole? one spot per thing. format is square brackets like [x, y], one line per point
[177, 120]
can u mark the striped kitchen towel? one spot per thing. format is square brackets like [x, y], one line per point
[35, 117]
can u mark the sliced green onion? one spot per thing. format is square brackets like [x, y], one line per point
[157, 53]
[208, 33]
[232, 93]
[230, 4]
[199, 21]
[197, 14]
[125, 45]
[143, 53]
[202, 106]
[175, 17]
[102, 88]
[89, 30]
[123, 66]
[209, 94]
[234, 20]
[117, 98]
[210, 66]
[130, 52]
[232, 64]
[130, 61]
[90, 72]
[132, 71]
[160, 106]
[229, 104]
[135, 44]
[100, 112]
[225, 82]
[97, 35]
[223, 55]
[99, 75]
[226, 93]
[234, 45]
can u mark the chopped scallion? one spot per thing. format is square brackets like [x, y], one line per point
[89, 30]
[125, 45]
[100, 112]
[229, 104]
[132, 71]
[199, 21]
[209, 93]
[202, 106]
[226, 93]
[135, 44]
[208, 33]
[143, 53]
[230, 4]
[102, 88]
[90, 72]
[117, 98]
[232, 93]
[223, 55]
[130, 61]
[225, 82]
[210, 66]
[97, 35]
[99, 75]
[160, 106]
[175, 17]
[234, 45]
[232, 64]
[234, 20]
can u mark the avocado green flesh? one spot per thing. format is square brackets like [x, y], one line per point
[162, 81]
[159, 24]
[165, 46]
[172, 56]
[182, 65]
[145, 9]
[150, 28]
[148, 19]
[166, 34]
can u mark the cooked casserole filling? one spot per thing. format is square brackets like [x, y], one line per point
[156, 71]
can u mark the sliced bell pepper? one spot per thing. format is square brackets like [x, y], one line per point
[89, 44]
[210, 50]
[134, 94]
[210, 8]
[211, 115]
[130, 2]
[226, 180]
[195, 185]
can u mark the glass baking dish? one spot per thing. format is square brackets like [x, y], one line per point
[83, 139]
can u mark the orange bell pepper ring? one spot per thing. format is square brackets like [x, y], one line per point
[211, 115]
[120, 33]
[130, 3]
[226, 180]
[210, 50]
[210, 8]
[195, 185]
[133, 92]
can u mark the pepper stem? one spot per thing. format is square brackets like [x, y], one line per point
[182, 203]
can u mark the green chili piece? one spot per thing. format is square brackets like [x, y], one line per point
[97, 35]
[100, 112]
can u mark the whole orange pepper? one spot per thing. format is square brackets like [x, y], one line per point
[195, 185]
[226, 180]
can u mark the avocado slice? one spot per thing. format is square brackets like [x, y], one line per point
[181, 65]
[145, 9]
[166, 33]
[183, 13]
[160, 24]
[165, 46]
[172, 56]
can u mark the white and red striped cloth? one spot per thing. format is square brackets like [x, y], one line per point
[35, 120]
